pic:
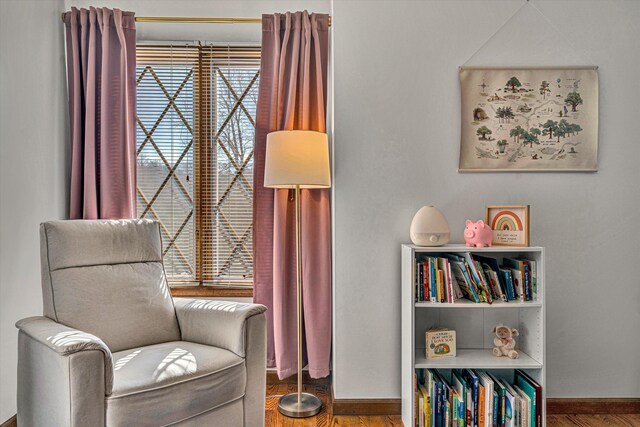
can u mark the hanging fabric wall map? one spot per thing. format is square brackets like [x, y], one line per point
[529, 119]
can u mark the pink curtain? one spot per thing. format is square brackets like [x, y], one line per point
[293, 96]
[101, 66]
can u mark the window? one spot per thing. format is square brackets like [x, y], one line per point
[196, 107]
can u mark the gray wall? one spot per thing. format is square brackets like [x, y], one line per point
[396, 148]
[33, 122]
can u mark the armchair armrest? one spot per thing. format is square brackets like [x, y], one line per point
[66, 341]
[216, 323]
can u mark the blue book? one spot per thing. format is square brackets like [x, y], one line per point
[473, 381]
[506, 274]
[496, 404]
[432, 279]
[527, 281]
[439, 414]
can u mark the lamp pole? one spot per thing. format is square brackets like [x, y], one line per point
[299, 405]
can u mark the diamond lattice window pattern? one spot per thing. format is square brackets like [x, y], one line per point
[196, 111]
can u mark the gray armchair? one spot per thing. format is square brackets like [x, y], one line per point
[113, 348]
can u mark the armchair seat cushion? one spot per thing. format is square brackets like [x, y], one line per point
[170, 382]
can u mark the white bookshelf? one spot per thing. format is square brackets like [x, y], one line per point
[473, 324]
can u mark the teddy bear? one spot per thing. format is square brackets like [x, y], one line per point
[504, 343]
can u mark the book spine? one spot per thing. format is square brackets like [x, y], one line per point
[419, 284]
[527, 281]
[447, 274]
[432, 279]
[425, 282]
[441, 286]
[496, 407]
[481, 407]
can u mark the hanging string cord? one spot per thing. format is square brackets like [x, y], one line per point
[551, 24]
[495, 33]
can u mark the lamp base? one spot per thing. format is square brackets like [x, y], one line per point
[310, 406]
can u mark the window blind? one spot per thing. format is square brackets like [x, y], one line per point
[196, 107]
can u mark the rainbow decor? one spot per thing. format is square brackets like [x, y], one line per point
[506, 221]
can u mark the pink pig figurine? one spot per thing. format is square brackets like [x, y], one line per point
[478, 234]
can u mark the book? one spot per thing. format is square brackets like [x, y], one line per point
[451, 291]
[462, 277]
[425, 282]
[460, 385]
[440, 283]
[525, 407]
[508, 279]
[431, 388]
[526, 268]
[440, 342]
[523, 268]
[516, 275]
[472, 384]
[496, 408]
[494, 283]
[481, 406]
[534, 391]
[511, 406]
[475, 277]
[493, 264]
[420, 417]
[456, 287]
[484, 283]
[487, 384]
[502, 412]
[424, 413]
[448, 401]
[534, 276]
[498, 398]
[432, 279]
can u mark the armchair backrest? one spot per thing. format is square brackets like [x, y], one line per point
[107, 278]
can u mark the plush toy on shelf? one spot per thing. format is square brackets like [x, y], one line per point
[504, 344]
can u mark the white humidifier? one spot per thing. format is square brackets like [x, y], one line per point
[429, 227]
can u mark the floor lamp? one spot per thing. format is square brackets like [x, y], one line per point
[298, 159]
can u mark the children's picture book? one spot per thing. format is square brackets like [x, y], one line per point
[440, 342]
[462, 278]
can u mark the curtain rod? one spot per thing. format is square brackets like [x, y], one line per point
[197, 20]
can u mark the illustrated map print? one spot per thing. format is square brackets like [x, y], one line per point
[529, 119]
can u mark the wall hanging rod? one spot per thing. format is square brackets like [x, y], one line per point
[197, 20]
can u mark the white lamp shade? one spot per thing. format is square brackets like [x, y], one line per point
[297, 157]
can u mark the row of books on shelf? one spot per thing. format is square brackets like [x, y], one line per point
[475, 398]
[448, 277]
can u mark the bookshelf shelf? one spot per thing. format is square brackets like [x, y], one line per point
[473, 324]
[471, 304]
[475, 359]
